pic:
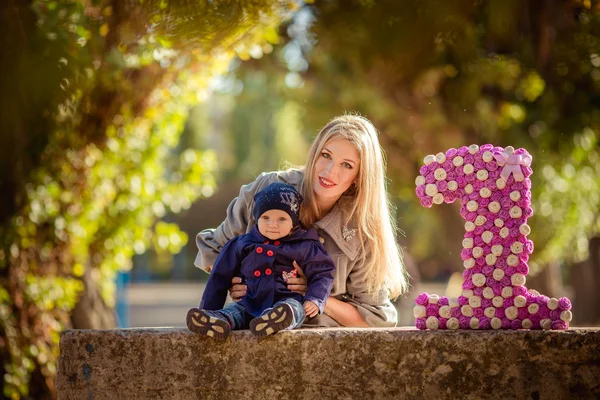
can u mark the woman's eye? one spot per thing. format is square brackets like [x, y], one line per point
[346, 165]
[326, 155]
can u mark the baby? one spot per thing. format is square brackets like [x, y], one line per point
[263, 258]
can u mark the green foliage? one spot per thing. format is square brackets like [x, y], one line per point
[128, 73]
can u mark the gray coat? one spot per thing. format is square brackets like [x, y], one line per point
[348, 284]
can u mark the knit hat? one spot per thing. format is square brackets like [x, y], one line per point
[278, 196]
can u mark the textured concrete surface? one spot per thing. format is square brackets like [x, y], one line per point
[330, 364]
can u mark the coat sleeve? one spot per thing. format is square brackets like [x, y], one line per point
[375, 307]
[225, 268]
[318, 268]
[239, 216]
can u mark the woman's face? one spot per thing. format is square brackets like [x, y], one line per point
[335, 169]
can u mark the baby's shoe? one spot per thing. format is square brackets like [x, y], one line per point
[274, 320]
[200, 321]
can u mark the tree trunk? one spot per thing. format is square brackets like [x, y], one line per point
[585, 278]
[91, 312]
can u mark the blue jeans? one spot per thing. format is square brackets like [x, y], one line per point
[239, 318]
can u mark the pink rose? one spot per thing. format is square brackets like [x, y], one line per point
[420, 190]
[443, 301]
[421, 324]
[496, 196]
[510, 180]
[478, 291]
[469, 235]
[423, 170]
[484, 202]
[496, 239]
[506, 203]
[500, 313]
[506, 281]
[442, 323]
[564, 304]
[490, 184]
[422, 299]
[523, 313]
[451, 152]
[450, 175]
[555, 314]
[494, 174]
[479, 230]
[482, 211]
[511, 223]
[485, 303]
[501, 262]
[542, 300]
[529, 246]
[514, 233]
[527, 171]
[519, 290]
[480, 262]
[447, 165]
[486, 147]
[484, 323]
[463, 211]
[510, 271]
[527, 183]
[478, 185]
[470, 178]
[504, 215]
[522, 269]
[488, 270]
[535, 319]
[442, 186]
[471, 216]
[478, 241]
[488, 224]
[465, 254]
[518, 186]
[429, 178]
[468, 285]
[523, 202]
[508, 302]
[463, 151]
[449, 197]
[559, 325]
[426, 201]
[530, 297]
[489, 281]
[459, 172]
[478, 312]
[455, 312]
[497, 288]
[524, 257]
[467, 274]
[506, 251]
[528, 212]
[464, 322]
[462, 182]
[544, 312]
[479, 165]
[432, 310]
[469, 159]
[463, 301]
[516, 324]
[505, 323]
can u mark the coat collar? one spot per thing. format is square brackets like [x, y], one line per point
[299, 234]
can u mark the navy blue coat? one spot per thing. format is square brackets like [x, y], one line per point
[261, 261]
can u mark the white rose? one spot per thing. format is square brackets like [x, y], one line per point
[429, 159]
[457, 161]
[419, 311]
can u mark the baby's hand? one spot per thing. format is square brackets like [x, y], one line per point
[310, 309]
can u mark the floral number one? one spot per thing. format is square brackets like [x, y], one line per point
[494, 189]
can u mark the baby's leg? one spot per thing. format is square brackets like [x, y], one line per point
[209, 323]
[285, 314]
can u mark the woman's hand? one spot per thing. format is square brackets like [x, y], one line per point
[310, 309]
[237, 291]
[299, 283]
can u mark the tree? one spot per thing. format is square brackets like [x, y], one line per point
[94, 98]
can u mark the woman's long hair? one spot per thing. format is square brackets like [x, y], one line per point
[370, 206]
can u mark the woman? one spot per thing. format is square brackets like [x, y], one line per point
[346, 200]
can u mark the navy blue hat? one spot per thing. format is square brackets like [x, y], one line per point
[278, 196]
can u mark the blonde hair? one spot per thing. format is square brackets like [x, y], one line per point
[369, 205]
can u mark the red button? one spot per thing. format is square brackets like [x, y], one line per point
[270, 253]
[268, 271]
[277, 243]
[257, 273]
[259, 250]
[266, 242]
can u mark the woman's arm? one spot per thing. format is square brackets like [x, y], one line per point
[344, 313]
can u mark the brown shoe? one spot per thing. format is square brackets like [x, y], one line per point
[199, 321]
[277, 319]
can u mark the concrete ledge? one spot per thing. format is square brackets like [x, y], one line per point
[364, 364]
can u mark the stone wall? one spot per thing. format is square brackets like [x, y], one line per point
[322, 364]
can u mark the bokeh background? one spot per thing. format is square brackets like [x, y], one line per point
[127, 126]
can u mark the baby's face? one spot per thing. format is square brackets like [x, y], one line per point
[275, 224]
